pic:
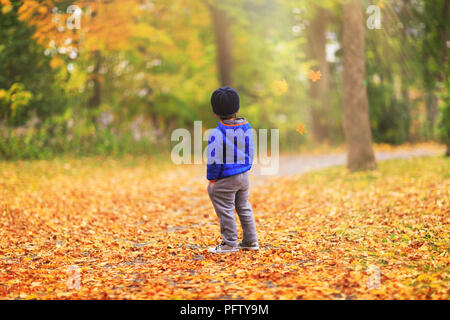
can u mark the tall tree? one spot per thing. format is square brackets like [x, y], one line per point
[96, 96]
[27, 83]
[355, 103]
[318, 91]
[434, 17]
[222, 29]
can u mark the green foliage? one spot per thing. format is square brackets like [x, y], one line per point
[158, 74]
[389, 115]
[76, 136]
[27, 83]
[433, 44]
[14, 99]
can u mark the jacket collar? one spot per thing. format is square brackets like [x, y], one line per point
[234, 123]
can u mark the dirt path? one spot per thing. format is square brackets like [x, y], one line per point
[300, 164]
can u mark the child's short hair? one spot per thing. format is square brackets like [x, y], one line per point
[227, 117]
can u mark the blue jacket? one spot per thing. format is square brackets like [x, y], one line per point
[236, 137]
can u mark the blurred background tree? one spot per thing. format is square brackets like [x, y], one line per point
[29, 86]
[116, 77]
[355, 103]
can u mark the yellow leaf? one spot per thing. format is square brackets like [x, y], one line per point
[6, 8]
[281, 86]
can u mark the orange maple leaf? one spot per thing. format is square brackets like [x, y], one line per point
[301, 129]
[314, 76]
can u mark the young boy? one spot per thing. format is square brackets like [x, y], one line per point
[230, 157]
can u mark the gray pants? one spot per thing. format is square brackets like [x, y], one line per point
[226, 195]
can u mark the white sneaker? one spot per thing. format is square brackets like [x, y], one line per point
[249, 246]
[223, 248]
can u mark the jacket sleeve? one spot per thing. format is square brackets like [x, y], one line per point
[251, 146]
[215, 155]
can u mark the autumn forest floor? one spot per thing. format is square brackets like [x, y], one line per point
[135, 230]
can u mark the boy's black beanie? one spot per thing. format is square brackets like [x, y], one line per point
[225, 101]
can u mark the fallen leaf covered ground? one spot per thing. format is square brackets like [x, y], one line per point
[134, 230]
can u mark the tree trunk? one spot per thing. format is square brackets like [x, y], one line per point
[318, 91]
[222, 30]
[96, 97]
[443, 36]
[432, 108]
[355, 107]
[405, 75]
[444, 40]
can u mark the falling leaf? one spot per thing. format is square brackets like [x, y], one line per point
[281, 86]
[314, 76]
[301, 129]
